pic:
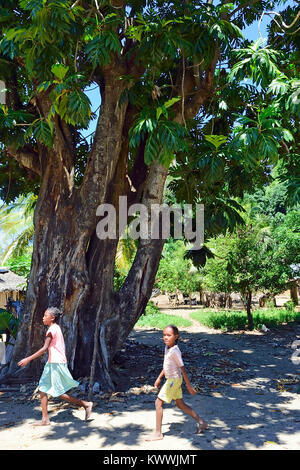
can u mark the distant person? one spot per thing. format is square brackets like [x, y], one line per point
[173, 370]
[56, 379]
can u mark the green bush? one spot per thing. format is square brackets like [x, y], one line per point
[290, 306]
[20, 265]
[8, 323]
[233, 320]
[161, 320]
[151, 309]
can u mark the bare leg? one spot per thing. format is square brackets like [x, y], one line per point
[44, 404]
[157, 436]
[87, 405]
[201, 424]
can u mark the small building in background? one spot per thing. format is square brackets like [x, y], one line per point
[12, 286]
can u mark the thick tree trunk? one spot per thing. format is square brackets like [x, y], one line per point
[118, 311]
[66, 274]
[71, 268]
[294, 293]
[248, 307]
[62, 274]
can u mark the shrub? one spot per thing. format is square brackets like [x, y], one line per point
[233, 320]
[161, 320]
[151, 309]
[290, 306]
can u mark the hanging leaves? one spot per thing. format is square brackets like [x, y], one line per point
[59, 70]
[216, 140]
[42, 131]
[260, 138]
[163, 137]
[260, 64]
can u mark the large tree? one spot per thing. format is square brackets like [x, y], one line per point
[157, 65]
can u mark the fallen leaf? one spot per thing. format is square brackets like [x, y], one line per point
[271, 442]
[119, 399]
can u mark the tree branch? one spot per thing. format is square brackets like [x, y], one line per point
[241, 7]
[27, 158]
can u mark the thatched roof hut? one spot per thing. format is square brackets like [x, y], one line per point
[11, 285]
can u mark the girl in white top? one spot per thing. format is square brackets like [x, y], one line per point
[173, 370]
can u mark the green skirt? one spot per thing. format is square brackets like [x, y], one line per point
[56, 379]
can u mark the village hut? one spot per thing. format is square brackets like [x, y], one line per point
[11, 286]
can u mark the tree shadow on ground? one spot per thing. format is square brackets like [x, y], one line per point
[248, 410]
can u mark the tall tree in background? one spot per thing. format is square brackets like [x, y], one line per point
[157, 65]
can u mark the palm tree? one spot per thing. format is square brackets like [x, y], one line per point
[16, 227]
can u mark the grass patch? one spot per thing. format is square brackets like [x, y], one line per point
[161, 320]
[155, 319]
[233, 320]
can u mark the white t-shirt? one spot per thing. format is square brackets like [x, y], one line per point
[172, 362]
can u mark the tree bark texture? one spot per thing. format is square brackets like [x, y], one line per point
[73, 269]
[248, 307]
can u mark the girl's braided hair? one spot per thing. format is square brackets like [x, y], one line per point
[55, 312]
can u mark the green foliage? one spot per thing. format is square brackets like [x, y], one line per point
[74, 107]
[262, 136]
[257, 256]
[151, 308]
[233, 320]
[20, 265]
[17, 227]
[161, 320]
[56, 48]
[216, 140]
[260, 64]
[163, 137]
[100, 48]
[8, 323]
[287, 92]
[40, 130]
[216, 276]
[175, 271]
[289, 306]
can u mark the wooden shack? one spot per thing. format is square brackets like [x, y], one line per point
[11, 285]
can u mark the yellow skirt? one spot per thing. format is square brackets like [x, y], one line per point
[171, 390]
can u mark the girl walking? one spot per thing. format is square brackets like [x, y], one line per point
[173, 370]
[56, 379]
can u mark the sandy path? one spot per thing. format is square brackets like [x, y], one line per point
[260, 411]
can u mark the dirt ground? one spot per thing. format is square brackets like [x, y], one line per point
[248, 391]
